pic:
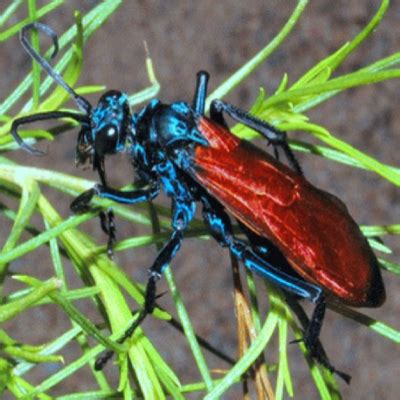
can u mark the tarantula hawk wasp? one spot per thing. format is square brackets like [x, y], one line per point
[195, 159]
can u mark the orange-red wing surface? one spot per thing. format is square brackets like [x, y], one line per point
[312, 228]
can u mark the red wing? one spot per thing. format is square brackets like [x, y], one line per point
[312, 228]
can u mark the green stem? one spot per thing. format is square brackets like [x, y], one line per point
[35, 66]
[243, 72]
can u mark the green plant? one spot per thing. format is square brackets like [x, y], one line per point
[104, 282]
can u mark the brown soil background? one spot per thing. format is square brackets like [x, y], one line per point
[184, 37]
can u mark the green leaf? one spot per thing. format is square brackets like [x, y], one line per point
[247, 360]
[8, 13]
[10, 310]
[29, 198]
[259, 58]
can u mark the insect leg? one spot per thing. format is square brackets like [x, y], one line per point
[200, 94]
[166, 254]
[164, 257]
[274, 136]
[108, 227]
[183, 212]
[220, 227]
[312, 327]
[81, 205]
[107, 218]
[312, 332]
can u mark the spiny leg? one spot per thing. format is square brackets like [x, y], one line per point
[312, 343]
[107, 218]
[265, 248]
[182, 213]
[220, 227]
[318, 354]
[107, 225]
[82, 204]
[274, 136]
[165, 256]
[219, 224]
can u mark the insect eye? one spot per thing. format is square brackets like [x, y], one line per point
[106, 140]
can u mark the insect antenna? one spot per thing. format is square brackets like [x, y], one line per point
[41, 117]
[82, 103]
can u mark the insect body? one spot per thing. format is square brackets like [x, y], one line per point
[195, 159]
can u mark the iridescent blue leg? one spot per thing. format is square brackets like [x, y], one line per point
[200, 94]
[220, 227]
[265, 248]
[81, 204]
[155, 272]
[274, 136]
[182, 214]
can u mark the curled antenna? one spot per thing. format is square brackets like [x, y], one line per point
[82, 103]
[82, 118]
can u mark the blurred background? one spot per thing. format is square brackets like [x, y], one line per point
[182, 38]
